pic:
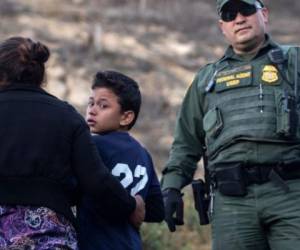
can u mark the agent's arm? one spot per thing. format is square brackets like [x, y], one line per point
[185, 154]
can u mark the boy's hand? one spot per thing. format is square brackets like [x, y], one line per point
[137, 217]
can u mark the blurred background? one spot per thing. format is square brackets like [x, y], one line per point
[160, 43]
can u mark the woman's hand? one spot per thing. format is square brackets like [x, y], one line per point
[137, 217]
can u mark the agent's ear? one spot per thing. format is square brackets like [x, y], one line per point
[221, 22]
[265, 13]
[126, 118]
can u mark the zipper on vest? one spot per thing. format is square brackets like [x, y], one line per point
[261, 97]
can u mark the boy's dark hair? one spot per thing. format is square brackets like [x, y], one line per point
[22, 61]
[124, 87]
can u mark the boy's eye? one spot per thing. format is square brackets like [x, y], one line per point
[102, 105]
[90, 103]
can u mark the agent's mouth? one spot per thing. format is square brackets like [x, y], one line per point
[242, 29]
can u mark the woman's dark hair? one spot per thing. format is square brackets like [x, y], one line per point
[22, 61]
[125, 88]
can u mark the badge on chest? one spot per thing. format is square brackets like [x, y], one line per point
[269, 74]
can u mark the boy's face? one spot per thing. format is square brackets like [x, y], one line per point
[104, 113]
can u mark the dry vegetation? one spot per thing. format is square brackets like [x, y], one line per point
[161, 43]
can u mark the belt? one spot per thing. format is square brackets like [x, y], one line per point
[261, 174]
[233, 179]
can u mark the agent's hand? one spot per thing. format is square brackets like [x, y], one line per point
[173, 205]
[137, 217]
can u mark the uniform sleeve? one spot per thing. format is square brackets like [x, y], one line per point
[95, 179]
[186, 149]
[155, 211]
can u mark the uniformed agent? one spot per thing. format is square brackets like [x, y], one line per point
[242, 113]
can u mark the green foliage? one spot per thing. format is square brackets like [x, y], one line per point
[191, 236]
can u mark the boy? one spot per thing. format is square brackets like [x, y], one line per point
[112, 111]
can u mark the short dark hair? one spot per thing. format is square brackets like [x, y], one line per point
[124, 87]
[22, 61]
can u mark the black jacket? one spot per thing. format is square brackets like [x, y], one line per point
[47, 155]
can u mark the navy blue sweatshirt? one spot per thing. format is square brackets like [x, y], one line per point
[132, 165]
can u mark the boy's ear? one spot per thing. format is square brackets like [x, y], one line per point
[126, 118]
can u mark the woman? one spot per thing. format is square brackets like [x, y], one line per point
[46, 158]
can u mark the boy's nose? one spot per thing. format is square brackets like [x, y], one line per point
[92, 109]
[90, 113]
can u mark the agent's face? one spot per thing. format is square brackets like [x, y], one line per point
[246, 31]
[104, 113]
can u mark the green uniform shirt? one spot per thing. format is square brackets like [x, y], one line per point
[234, 139]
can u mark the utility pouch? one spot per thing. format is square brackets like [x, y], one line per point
[231, 181]
[213, 122]
[286, 118]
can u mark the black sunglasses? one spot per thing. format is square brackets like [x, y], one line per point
[229, 13]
